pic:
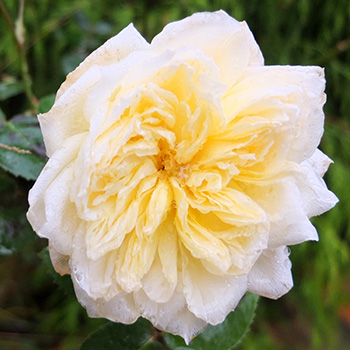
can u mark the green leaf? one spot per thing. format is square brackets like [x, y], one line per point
[46, 103]
[112, 336]
[21, 147]
[63, 282]
[20, 162]
[225, 335]
[9, 89]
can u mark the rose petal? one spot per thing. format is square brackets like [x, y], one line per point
[172, 316]
[229, 42]
[316, 196]
[121, 308]
[271, 275]
[67, 116]
[301, 86]
[282, 202]
[210, 297]
[114, 49]
[49, 199]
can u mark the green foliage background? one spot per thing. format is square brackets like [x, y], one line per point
[34, 312]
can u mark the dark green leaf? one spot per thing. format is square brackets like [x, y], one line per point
[20, 163]
[21, 147]
[116, 336]
[63, 282]
[9, 89]
[46, 103]
[225, 335]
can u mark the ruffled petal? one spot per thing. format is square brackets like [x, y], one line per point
[317, 199]
[292, 85]
[95, 277]
[161, 280]
[271, 275]
[51, 212]
[210, 297]
[68, 115]
[121, 308]
[289, 223]
[229, 42]
[172, 316]
[320, 162]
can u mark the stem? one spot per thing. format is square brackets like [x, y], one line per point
[27, 81]
[18, 32]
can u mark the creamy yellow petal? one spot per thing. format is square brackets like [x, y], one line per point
[157, 208]
[230, 205]
[135, 257]
[229, 42]
[168, 250]
[301, 86]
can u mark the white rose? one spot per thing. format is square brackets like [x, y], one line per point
[179, 171]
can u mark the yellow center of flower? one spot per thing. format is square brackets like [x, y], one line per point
[168, 166]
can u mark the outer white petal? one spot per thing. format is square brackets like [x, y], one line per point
[289, 223]
[316, 196]
[67, 116]
[155, 284]
[210, 297]
[121, 308]
[293, 85]
[229, 42]
[172, 316]
[115, 49]
[320, 162]
[51, 213]
[94, 277]
[271, 275]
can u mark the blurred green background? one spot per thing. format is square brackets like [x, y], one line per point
[34, 312]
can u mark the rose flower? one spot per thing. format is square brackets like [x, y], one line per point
[179, 172]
